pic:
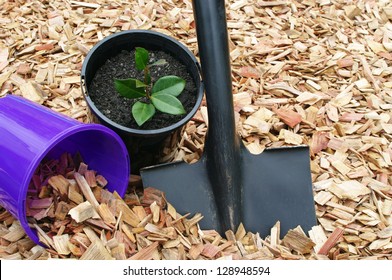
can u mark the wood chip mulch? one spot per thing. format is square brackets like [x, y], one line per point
[313, 72]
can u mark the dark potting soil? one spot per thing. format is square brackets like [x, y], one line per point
[118, 109]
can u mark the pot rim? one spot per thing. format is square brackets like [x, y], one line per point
[134, 131]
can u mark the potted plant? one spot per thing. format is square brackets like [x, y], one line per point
[109, 72]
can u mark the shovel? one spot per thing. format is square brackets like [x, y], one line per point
[229, 185]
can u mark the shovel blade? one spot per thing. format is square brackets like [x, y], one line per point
[186, 187]
[275, 186]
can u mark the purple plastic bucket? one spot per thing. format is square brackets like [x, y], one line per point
[29, 132]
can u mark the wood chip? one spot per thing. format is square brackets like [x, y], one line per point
[60, 184]
[106, 214]
[82, 212]
[210, 251]
[61, 244]
[16, 233]
[298, 242]
[352, 11]
[349, 189]
[288, 116]
[96, 251]
[33, 92]
[86, 190]
[146, 253]
[331, 241]
[290, 137]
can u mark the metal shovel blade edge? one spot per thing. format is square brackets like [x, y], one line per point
[276, 186]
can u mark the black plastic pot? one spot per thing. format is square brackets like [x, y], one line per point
[144, 146]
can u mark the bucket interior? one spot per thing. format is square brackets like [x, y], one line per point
[101, 150]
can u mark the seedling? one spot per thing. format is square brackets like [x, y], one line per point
[161, 96]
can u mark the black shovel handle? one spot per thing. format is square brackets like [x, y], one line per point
[222, 148]
[212, 37]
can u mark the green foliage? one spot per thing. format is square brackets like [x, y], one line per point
[167, 103]
[142, 112]
[171, 85]
[141, 58]
[129, 88]
[161, 96]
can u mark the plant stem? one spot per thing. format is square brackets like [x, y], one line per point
[146, 81]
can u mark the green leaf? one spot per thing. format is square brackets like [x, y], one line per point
[142, 112]
[167, 103]
[159, 62]
[171, 85]
[140, 84]
[141, 58]
[129, 88]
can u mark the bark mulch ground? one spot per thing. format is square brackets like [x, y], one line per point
[313, 72]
